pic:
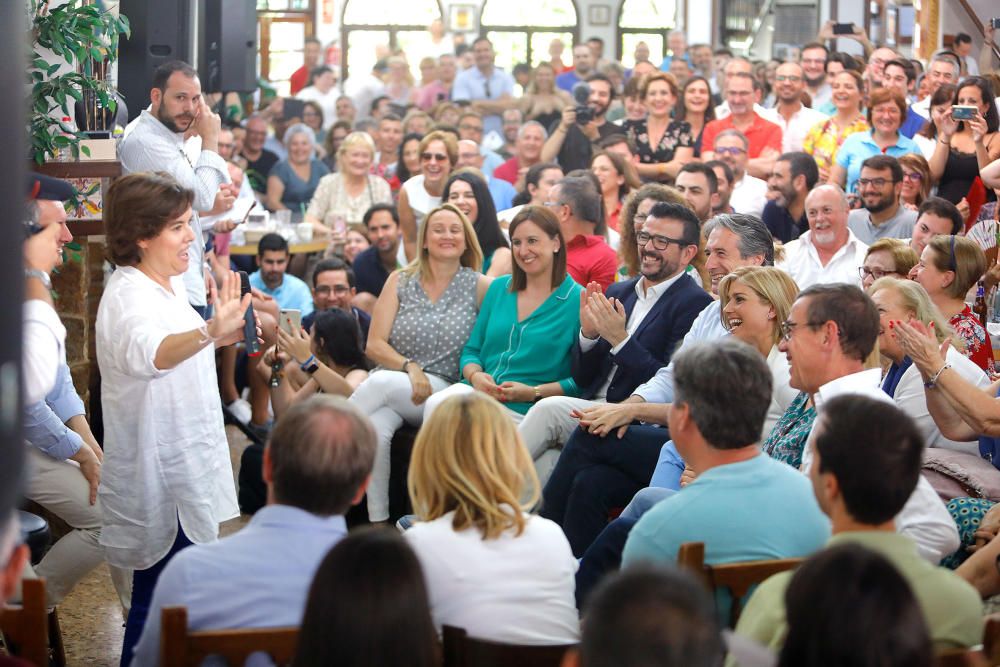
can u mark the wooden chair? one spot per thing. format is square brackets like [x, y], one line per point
[960, 657]
[26, 626]
[738, 578]
[181, 648]
[460, 650]
[991, 638]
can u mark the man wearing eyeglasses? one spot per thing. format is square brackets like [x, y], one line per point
[334, 287]
[794, 118]
[882, 216]
[748, 194]
[763, 136]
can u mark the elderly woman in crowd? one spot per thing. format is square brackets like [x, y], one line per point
[493, 569]
[468, 192]
[167, 479]
[948, 268]
[886, 112]
[824, 140]
[887, 257]
[617, 178]
[422, 192]
[664, 144]
[521, 349]
[916, 180]
[293, 181]
[419, 326]
[342, 198]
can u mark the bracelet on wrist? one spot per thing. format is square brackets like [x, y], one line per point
[930, 384]
[538, 393]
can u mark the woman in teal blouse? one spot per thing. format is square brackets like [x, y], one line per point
[521, 347]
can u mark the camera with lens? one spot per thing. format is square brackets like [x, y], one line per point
[581, 97]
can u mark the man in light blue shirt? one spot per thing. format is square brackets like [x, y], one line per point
[316, 465]
[289, 292]
[484, 85]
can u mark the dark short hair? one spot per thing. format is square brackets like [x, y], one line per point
[650, 615]
[962, 38]
[726, 169]
[583, 199]
[272, 242]
[708, 376]
[851, 310]
[596, 39]
[546, 221]
[377, 101]
[679, 213]
[943, 209]
[333, 264]
[885, 163]
[598, 76]
[375, 208]
[851, 591]
[319, 70]
[816, 45]
[616, 138]
[874, 450]
[801, 164]
[163, 73]
[482, 38]
[338, 334]
[706, 171]
[138, 207]
[849, 62]
[905, 65]
[322, 449]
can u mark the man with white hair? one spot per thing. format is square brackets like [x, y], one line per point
[527, 152]
[677, 45]
[943, 69]
[503, 193]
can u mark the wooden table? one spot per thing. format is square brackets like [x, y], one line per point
[294, 248]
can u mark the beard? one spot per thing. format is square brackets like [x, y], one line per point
[170, 121]
[659, 273]
[879, 205]
[815, 83]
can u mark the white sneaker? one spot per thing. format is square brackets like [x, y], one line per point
[240, 409]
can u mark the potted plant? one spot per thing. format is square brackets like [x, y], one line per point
[85, 35]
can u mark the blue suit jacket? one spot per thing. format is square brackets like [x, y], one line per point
[649, 348]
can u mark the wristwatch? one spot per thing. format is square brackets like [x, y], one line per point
[311, 365]
[41, 275]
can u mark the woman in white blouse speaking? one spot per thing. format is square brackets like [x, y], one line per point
[167, 478]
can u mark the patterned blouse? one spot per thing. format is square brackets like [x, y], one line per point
[978, 347]
[789, 435]
[331, 199]
[825, 138]
[677, 135]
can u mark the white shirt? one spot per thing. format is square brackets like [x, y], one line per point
[749, 195]
[327, 101]
[794, 130]
[165, 451]
[923, 107]
[803, 264]
[911, 399]
[363, 89]
[43, 349]
[516, 590]
[147, 145]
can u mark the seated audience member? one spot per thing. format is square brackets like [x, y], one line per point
[852, 591]
[624, 338]
[343, 197]
[334, 287]
[916, 180]
[829, 252]
[502, 192]
[316, 465]
[527, 153]
[634, 213]
[664, 144]
[537, 184]
[617, 178]
[293, 181]
[649, 617]
[521, 349]
[747, 194]
[789, 113]
[596, 473]
[422, 193]
[866, 465]
[272, 279]
[724, 174]
[388, 137]
[793, 177]
[905, 300]
[742, 502]
[373, 266]
[948, 268]
[763, 138]
[887, 257]
[491, 568]
[419, 326]
[935, 217]
[899, 74]
[355, 244]
[368, 606]
[577, 205]
[259, 160]
[331, 145]
[886, 111]
[700, 186]
[407, 161]
[467, 191]
[883, 216]
[940, 102]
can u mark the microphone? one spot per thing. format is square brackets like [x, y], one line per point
[581, 93]
[249, 321]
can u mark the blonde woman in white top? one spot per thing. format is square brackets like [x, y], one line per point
[351, 191]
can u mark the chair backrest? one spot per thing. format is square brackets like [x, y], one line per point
[26, 626]
[460, 650]
[961, 657]
[180, 648]
[737, 578]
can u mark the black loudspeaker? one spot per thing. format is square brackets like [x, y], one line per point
[227, 48]
[161, 32]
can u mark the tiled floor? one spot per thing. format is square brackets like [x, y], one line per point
[91, 617]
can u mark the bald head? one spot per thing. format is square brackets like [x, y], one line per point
[469, 155]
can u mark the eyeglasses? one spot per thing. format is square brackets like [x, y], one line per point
[865, 272]
[640, 218]
[729, 150]
[787, 327]
[470, 128]
[790, 77]
[427, 157]
[913, 176]
[339, 290]
[877, 182]
[659, 242]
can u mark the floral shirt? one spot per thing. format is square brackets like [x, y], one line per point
[825, 138]
[677, 135]
[978, 347]
[790, 433]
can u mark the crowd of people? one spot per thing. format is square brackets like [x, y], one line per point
[738, 303]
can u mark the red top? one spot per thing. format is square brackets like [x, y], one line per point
[978, 347]
[761, 134]
[508, 171]
[590, 258]
[298, 79]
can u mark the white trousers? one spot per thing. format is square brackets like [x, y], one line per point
[547, 427]
[386, 398]
[458, 389]
[60, 488]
